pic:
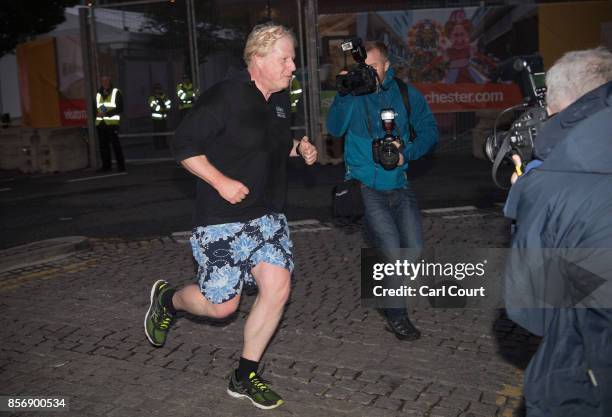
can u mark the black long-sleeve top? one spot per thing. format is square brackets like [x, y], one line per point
[247, 139]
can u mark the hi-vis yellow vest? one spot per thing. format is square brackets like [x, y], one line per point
[186, 95]
[108, 103]
[160, 105]
[295, 93]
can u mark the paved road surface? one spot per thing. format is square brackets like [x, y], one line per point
[156, 197]
[74, 328]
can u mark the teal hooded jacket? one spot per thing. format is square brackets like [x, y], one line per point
[348, 115]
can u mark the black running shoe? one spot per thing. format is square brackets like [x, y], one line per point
[158, 319]
[403, 328]
[255, 389]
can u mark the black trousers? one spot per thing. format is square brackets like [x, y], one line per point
[183, 113]
[109, 135]
[159, 126]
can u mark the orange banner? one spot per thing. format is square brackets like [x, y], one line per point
[38, 83]
[469, 97]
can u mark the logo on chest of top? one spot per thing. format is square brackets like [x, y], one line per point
[280, 112]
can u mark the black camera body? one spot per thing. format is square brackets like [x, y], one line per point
[384, 151]
[361, 78]
[519, 138]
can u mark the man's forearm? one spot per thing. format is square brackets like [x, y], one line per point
[427, 138]
[293, 152]
[201, 167]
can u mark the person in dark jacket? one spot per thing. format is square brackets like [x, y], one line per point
[558, 280]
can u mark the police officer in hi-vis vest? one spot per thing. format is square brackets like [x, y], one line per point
[109, 106]
[186, 95]
[160, 106]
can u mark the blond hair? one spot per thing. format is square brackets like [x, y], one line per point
[262, 38]
[379, 46]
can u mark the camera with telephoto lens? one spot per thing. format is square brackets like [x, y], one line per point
[361, 78]
[384, 151]
[519, 138]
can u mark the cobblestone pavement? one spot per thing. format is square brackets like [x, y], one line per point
[74, 328]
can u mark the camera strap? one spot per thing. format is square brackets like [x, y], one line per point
[368, 120]
[403, 88]
[501, 154]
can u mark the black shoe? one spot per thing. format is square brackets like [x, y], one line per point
[103, 169]
[121, 169]
[158, 319]
[402, 328]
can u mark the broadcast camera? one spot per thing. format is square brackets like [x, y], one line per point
[384, 151]
[361, 78]
[519, 139]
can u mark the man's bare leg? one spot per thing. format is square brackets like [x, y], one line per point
[274, 284]
[190, 299]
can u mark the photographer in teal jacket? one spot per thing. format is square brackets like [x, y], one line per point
[392, 218]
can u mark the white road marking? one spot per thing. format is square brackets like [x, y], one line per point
[97, 177]
[311, 229]
[463, 216]
[450, 209]
[304, 222]
[143, 161]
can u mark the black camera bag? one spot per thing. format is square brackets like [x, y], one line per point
[347, 203]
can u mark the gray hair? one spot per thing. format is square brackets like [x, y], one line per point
[262, 38]
[575, 74]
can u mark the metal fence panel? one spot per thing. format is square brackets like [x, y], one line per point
[140, 44]
[143, 42]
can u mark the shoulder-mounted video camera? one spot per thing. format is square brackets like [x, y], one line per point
[519, 138]
[361, 78]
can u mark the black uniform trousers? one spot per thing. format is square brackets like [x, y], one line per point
[159, 126]
[183, 112]
[109, 135]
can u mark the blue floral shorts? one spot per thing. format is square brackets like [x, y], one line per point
[226, 253]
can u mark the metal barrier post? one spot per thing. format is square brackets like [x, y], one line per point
[193, 45]
[314, 107]
[86, 47]
[303, 73]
